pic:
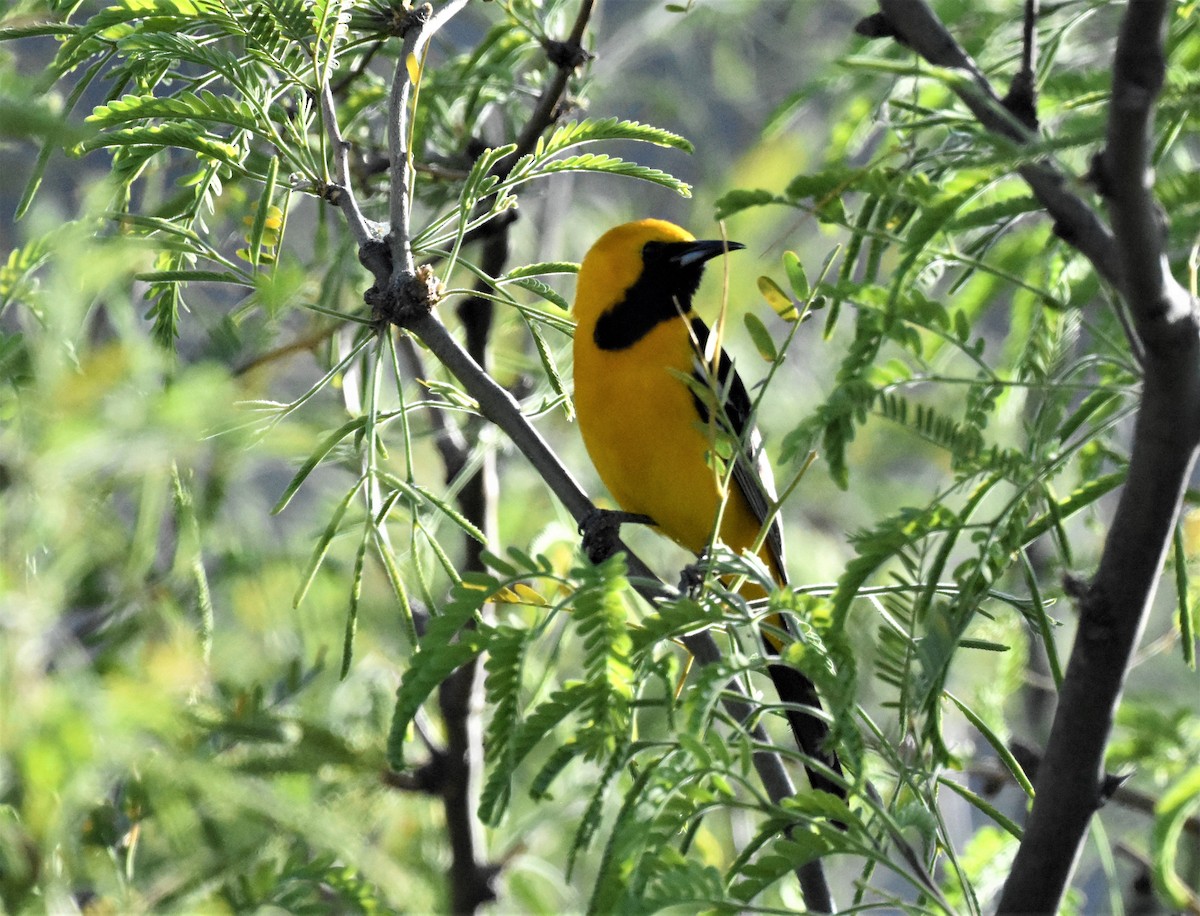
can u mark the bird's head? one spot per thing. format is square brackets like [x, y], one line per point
[637, 275]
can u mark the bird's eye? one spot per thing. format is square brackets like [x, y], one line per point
[651, 251]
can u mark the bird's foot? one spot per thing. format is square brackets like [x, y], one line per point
[601, 530]
[693, 576]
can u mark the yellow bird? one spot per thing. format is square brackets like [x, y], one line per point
[648, 433]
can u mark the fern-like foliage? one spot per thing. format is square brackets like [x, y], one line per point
[447, 645]
[968, 338]
[601, 616]
[548, 158]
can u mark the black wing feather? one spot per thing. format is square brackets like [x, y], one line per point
[751, 470]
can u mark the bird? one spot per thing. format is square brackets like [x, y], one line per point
[648, 431]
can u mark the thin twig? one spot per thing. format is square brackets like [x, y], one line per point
[342, 194]
[1075, 221]
[1125, 795]
[424, 26]
[1022, 93]
[359, 68]
[1029, 39]
[303, 344]
[1146, 869]
[571, 55]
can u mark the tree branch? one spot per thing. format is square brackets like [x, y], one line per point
[570, 55]
[1162, 309]
[1022, 92]
[1115, 607]
[423, 24]
[413, 310]
[342, 194]
[1070, 783]
[1075, 221]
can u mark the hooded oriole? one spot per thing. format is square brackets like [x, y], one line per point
[647, 431]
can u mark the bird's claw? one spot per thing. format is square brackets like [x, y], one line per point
[692, 576]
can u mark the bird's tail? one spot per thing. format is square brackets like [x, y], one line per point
[796, 690]
[798, 693]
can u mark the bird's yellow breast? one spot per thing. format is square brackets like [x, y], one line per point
[643, 433]
[638, 418]
[647, 441]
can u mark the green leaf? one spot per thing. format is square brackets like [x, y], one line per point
[204, 106]
[1170, 815]
[541, 269]
[825, 190]
[574, 133]
[167, 136]
[193, 276]
[1187, 634]
[600, 616]
[539, 786]
[310, 464]
[1098, 405]
[544, 290]
[262, 211]
[502, 686]
[779, 301]
[356, 578]
[736, 201]
[987, 808]
[551, 368]
[796, 276]
[422, 494]
[1082, 497]
[600, 162]
[446, 646]
[997, 745]
[761, 337]
[525, 736]
[323, 542]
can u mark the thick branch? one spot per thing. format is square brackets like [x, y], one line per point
[1115, 607]
[1157, 302]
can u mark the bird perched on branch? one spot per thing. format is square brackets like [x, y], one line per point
[649, 432]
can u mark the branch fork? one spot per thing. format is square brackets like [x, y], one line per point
[407, 297]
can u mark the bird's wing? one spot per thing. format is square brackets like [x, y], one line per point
[752, 475]
[751, 469]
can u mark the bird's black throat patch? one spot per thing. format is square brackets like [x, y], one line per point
[662, 292]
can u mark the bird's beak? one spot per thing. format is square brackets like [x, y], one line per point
[699, 251]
